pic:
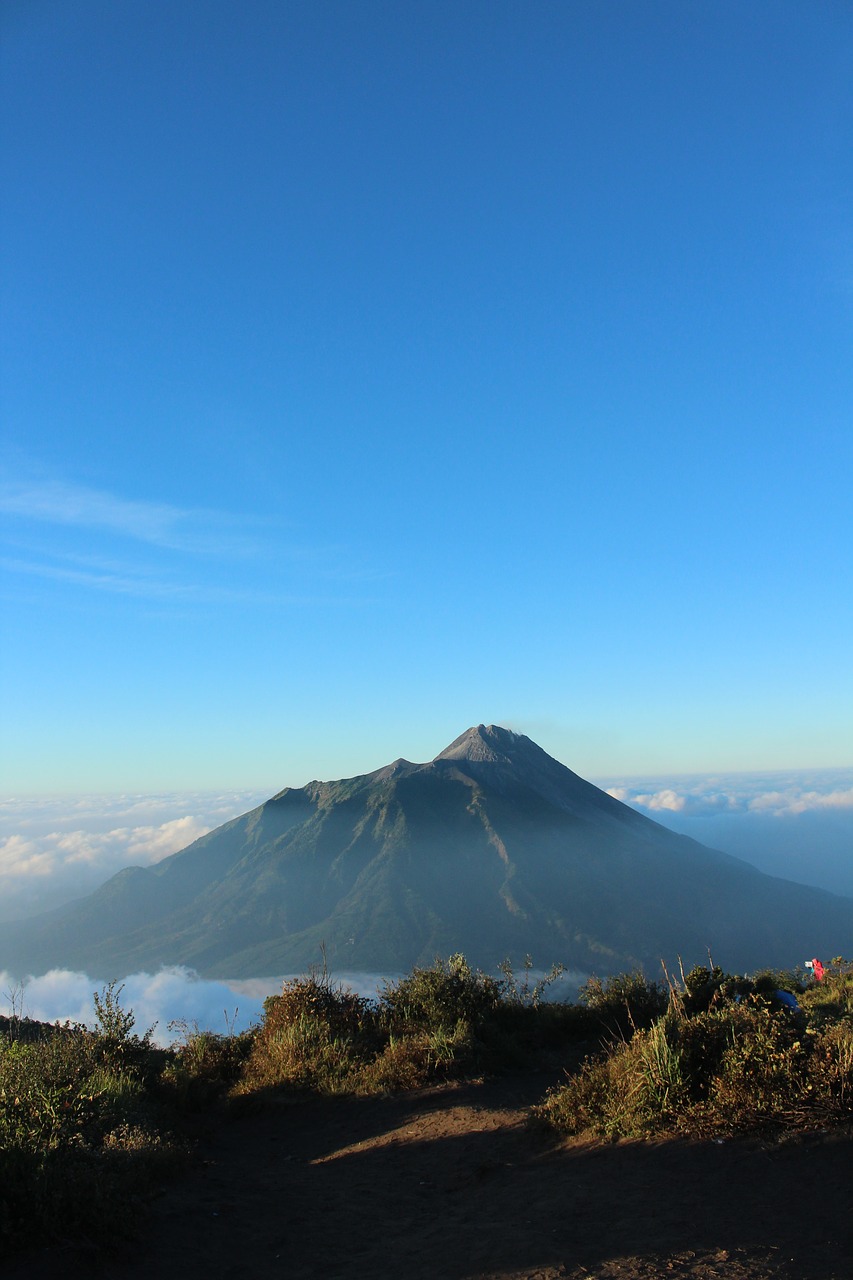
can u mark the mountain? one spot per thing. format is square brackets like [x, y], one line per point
[493, 848]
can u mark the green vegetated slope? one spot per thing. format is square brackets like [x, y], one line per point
[493, 848]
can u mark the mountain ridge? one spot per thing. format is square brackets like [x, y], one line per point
[493, 848]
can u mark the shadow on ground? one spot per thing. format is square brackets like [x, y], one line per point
[453, 1183]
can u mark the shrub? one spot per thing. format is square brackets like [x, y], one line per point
[434, 1023]
[636, 1088]
[69, 1099]
[831, 1068]
[203, 1066]
[442, 996]
[760, 1079]
[742, 1063]
[830, 999]
[316, 1034]
[412, 1061]
[625, 1003]
[517, 990]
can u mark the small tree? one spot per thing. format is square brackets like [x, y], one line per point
[114, 1033]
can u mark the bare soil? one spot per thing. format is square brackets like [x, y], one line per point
[453, 1182]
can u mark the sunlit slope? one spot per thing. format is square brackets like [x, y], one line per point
[493, 848]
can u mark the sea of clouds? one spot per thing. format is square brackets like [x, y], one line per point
[174, 1002]
[55, 849]
[796, 825]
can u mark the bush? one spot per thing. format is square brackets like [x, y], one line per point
[204, 1066]
[316, 1034]
[744, 1062]
[830, 999]
[413, 1061]
[635, 1088]
[519, 991]
[623, 1004]
[78, 1128]
[831, 1068]
[447, 1020]
[442, 996]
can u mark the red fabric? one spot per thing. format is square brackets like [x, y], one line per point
[818, 970]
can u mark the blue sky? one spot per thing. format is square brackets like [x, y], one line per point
[372, 370]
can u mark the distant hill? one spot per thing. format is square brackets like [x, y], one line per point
[493, 848]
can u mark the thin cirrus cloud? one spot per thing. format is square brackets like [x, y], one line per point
[156, 523]
[144, 583]
[91, 539]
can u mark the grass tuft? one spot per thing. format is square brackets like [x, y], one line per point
[727, 1056]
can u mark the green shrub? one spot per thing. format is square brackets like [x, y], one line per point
[624, 1003]
[414, 1060]
[203, 1066]
[517, 990]
[830, 999]
[742, 1063]
[701, 987]
[831, 1068]
[637, 1087]
[447, 1020]
[78, 1130]
[761, 1077]
[442, 996]
[316, 1034]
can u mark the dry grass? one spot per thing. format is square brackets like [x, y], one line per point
[736, 1060]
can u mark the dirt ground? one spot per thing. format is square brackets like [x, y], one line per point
[452, 1182]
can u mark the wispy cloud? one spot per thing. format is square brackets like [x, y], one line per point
[149, 585]
[155, 523]
[79, 537]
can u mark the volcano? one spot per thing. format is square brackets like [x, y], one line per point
[493, 848]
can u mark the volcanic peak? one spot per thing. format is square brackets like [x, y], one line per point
[484, 742]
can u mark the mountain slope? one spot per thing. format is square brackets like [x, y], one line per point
[493, 848]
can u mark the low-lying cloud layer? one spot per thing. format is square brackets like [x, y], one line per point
[172, 996]
[175, 1000]
[55, 849]
[795, 825]
[776, 795]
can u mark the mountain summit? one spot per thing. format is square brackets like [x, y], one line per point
[493, 848]
[487, 742]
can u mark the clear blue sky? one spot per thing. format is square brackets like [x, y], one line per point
[374, 369]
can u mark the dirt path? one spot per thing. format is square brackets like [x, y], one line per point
[452, 1183]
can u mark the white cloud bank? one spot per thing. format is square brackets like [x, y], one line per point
[795, 825]
[174, 995]
[774, 795]
[55, 849]
[176, 999]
